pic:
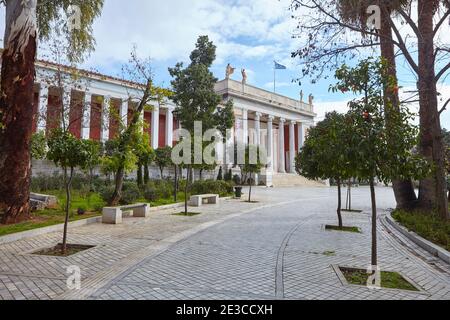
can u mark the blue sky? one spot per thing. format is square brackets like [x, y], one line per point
[249, 34]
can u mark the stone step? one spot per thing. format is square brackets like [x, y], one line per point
[294, 180]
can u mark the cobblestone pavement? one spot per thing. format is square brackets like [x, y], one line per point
[274, 249]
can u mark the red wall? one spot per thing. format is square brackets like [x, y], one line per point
[148, 123]
[162, 131]
[53, 113]
[76, 115]
[96, 120]
[113, 122]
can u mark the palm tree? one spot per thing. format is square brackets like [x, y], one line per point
[354, 11]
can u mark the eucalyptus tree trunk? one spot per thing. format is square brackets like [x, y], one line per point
[433, 190]
[405, 195]
[16, 112]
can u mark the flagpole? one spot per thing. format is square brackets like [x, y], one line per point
[274, 80]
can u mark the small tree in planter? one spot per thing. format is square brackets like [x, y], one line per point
[163, 159]
[68, 153]
[385, 148]
[325, 154]
[93, 150]
[145, 155]
[253, 165]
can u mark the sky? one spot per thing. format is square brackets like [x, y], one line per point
[249, 34]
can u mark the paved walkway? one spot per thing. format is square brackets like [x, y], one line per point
[274, 249]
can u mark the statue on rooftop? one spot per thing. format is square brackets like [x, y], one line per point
[311, 100]
[301, 95]
[244, 76]
[229, 71]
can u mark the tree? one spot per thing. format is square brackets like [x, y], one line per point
[253, 165]
[38, 146]
[16, 99]
[325, 48]
[163, 159]
[145, 155]
[67, 152]
[140, 72]
[377, 156]
[325, 154]
[352, 12]
[93, 153]
[196, 99]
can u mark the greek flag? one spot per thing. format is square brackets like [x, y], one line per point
[279, 66]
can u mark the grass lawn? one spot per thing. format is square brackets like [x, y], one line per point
[389, 280]
[92, 204]
[343, 229]
[428, 226]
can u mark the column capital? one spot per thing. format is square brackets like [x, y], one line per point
[270, 117]
[282, 120]
[258, 114]
[293, 122]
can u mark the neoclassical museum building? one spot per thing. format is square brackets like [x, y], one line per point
[277, 122]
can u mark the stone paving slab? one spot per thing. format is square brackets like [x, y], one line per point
[269, 250]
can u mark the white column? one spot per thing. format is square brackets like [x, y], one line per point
[155, 128]
[282, 162]
[270, 142]
[258, 128]
[169, 127]
[66, 105]
[42, 110]
[124, 111]
[245, 126]
[292, 152]
[87, 106]
[105, 118]
[301, 136]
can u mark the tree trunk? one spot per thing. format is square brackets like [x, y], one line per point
[374, 223]
[16, 112]
[161, 170]
[339, 213]
[68, 184]
[175, 185]
[139, 175]
[405, 195]
[146, 174]
[433, 190]
[117, 195]
[186, 189]
[250, 189]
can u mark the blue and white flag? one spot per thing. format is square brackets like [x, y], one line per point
[279, 66]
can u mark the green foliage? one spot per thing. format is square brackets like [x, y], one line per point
[221, 188]
[194, 92]
[163, 158]
[52, 15]
[428, 226]
[106, 192]
[228, 176]
[130, 193]
[155, 190]
[382, 139]
[42, 183]
[66, 151]
[93, 149]
[253, 162]
[326, 153]
[38, 146]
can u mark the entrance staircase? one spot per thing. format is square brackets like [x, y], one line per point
[294, 180]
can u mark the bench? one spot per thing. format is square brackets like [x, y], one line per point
[199, 200]
[115, 215]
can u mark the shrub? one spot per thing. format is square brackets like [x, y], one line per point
[237, 179]
[222, 188]
[150, 193]
[158, 189]
[106, 192]
[130, 193]
[229, 175]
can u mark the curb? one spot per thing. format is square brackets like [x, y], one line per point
[40, 231]
[435, 250]
[60, 227]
